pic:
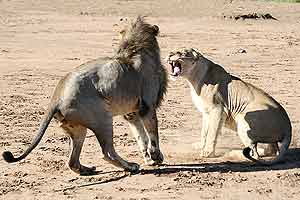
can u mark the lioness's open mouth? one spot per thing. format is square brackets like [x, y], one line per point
[176, 68]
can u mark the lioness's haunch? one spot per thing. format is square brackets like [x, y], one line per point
[131, 84]
[226, 100]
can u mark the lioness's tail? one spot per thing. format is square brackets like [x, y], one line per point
[8, 156]
[283, 149]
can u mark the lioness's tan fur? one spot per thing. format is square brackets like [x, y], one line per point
[226, 100]
[131, 84]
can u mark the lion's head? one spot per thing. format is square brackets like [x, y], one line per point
[138, 37]
[139, 49]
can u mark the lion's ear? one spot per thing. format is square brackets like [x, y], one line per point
[122, 34]
[137, 61]
[155, 29]
[196, 54]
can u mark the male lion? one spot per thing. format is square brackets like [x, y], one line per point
[226, 100]
[131, 84]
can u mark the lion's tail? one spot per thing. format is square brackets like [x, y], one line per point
[283, 149]
[8, 156]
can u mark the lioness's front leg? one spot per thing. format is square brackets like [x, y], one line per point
[201, 144]
[150, 123]
[212, 125]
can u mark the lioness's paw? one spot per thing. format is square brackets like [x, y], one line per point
[197, 146]
[234, 155]
[207, 154]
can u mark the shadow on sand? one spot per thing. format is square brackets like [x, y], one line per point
[292, 161]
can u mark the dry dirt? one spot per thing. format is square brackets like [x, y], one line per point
[40, 41]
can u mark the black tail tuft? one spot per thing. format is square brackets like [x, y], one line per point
[246, 153]
[8, 157]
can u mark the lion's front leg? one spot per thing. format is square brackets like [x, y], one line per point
[211, 128]
[150, 123]
[137, 128]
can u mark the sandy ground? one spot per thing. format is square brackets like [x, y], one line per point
[40, 41]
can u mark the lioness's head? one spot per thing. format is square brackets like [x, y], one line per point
[182, 60]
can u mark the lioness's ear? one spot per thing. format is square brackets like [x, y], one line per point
[155, 29]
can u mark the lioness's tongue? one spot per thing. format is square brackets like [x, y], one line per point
[176, 70]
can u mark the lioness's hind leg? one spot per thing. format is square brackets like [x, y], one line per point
[268, 150]
[271, 150]
[243, 129]
[254, 153]
[77, 134]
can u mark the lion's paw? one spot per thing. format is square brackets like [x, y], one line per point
[133, 167]
[84, 171]
[154, 157]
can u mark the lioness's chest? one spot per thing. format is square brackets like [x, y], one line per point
[197, 100]
[205, 101]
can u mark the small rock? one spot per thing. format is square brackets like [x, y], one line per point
[242, 51]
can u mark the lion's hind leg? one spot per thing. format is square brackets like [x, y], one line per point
[77, 134]
[101, 125]
[105, 138]
[94, 114]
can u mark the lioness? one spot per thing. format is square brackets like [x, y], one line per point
[131, 84]
[226, 100]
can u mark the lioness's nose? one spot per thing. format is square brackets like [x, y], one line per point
[167, 59]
